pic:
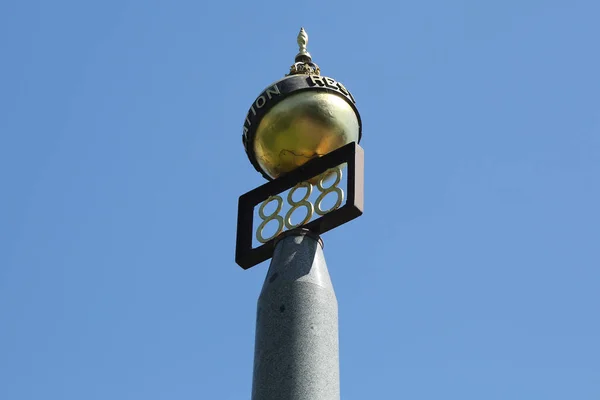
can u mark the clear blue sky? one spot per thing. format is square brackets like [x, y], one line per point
[474, 273]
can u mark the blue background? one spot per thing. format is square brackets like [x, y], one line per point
[473, 274]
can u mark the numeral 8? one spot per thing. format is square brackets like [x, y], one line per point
[331, 189]
[268, 218]
[303, 202]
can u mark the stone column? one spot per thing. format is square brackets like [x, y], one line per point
[296, 353]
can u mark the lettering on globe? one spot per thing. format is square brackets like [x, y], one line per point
[259, 103]
[323, 81]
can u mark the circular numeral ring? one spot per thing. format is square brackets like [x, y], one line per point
[268, 218]
[334, 188]
[303, 202]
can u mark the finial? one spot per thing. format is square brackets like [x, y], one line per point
[303, 63]
[303, 54]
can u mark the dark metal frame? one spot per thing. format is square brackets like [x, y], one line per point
[352, 154]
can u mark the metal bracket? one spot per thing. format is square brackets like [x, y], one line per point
[246, 256]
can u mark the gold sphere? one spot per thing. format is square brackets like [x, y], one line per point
[305, 125]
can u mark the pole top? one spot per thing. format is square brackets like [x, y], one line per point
[299, 232]
[303, 63]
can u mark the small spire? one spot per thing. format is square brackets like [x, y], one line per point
[303, 54]
[303, 63]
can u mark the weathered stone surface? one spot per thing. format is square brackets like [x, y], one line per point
[296, 352]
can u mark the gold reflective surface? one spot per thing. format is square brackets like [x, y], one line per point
[303, 126]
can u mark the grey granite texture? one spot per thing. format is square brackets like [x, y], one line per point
[296, 352]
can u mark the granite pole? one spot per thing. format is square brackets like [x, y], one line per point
[296, 355]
